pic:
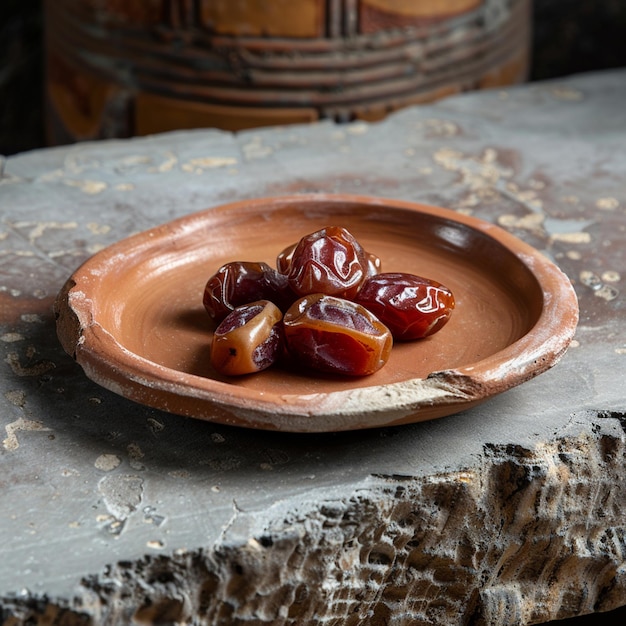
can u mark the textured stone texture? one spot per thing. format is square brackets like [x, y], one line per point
[510, 513]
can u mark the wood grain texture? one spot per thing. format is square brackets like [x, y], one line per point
[259, 63]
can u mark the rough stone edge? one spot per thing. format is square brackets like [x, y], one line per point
[523, 537]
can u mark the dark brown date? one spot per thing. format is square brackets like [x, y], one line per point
[241, 282]
[374, 265]
[329, 261]
[249, 339]
[283, 261]
[411, 307]
[335, 335]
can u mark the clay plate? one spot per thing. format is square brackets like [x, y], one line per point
[132, 315]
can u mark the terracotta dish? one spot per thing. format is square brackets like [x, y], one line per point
[132, 315]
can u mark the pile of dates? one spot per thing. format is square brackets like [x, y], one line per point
[327, 306]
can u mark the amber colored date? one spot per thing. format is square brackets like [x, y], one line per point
[335, 335]
[241, 282]
[248, 340]
[411, 307]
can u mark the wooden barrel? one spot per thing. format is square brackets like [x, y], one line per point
[117, 68]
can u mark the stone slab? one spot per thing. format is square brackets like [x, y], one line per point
[509, 513]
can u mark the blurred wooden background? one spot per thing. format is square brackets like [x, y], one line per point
[569, 36]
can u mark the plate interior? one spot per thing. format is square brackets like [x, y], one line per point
[150, 299]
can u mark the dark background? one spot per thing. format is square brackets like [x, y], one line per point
[570, 36]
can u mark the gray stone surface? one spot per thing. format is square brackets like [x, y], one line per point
[510, 513]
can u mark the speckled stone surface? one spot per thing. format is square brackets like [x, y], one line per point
[510, 513]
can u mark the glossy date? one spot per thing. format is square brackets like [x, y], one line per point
[248, 340]
[329, 261]
[411, 307]
[335, 335]
[327, 306]
[242, 282]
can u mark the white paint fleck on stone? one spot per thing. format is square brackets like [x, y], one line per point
[580, 237]
[607, 204]
[11, 442]
[11, 337]
[122, 494]
[16, 397]
[562, 92]
[531, 221]
[98, 229]
[107, 462]
[179, 474]
[256, 149]
[31, 318]
[36, 369]
[611, 276]
[590, 279]
[168, 164]
[198, 165]
[606, 292]
[90, 187]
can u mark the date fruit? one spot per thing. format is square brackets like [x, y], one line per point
[374, 264]
[335, 335]
[241, 282]
[329, 261]
[283, 261]
[411, 307]
[327, 306]
[249, 339]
